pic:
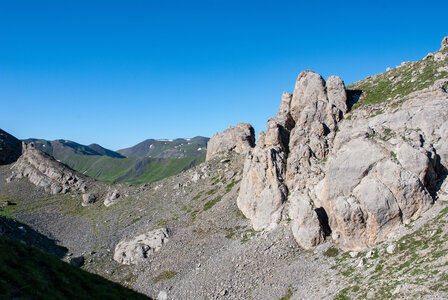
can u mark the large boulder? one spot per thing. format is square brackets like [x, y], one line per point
[239, 139]
[111, 198]
[137, 249]
[10, 148]
[306, 227]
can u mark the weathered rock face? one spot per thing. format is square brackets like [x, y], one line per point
[137, 249]
[262, 191]
[289, 154]
[382, 171]
[10, 148]
[358, 180]
[239, 139]
[44, 171]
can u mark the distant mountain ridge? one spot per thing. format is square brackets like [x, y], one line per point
[161, 148]
[63, 147]
[148, 161]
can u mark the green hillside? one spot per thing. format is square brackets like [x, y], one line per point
[400, 81]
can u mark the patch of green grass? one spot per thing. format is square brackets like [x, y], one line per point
[348, 271]
[211, 203]
[331, 252]
[343, 295]
[162, 222]
[231, 185]
[212, 191]
[164, 276]
[28, 273]
[393, 154]
[136, 220]
[248, 235]
[194, 213]
[197, 196]
[8, 211]
[398, 82]
[288, 295]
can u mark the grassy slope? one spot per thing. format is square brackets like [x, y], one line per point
[398, 82]
[28, 273]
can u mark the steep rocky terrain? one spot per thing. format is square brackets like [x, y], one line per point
[341, 198]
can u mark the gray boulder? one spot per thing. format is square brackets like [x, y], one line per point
[137, 249]
[111, 198]
[88, 199]
[306, 227]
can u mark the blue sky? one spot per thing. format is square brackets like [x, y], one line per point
[118, 72]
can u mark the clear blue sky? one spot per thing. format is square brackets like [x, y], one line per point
[119, 72]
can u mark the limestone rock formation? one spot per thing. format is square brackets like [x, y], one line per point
[289, 155]
[357, 180]
[10, 148]
[137, 249]
[44, 171]
[239, 139]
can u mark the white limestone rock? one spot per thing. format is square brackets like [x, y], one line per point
[137, 249]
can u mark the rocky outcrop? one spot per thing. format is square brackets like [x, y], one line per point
[289, 156]
[44, 171]
[357, 180]
[10, 148]
[239, 139]
[138, 249]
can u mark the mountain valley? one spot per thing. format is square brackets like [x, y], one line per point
[343, 196]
